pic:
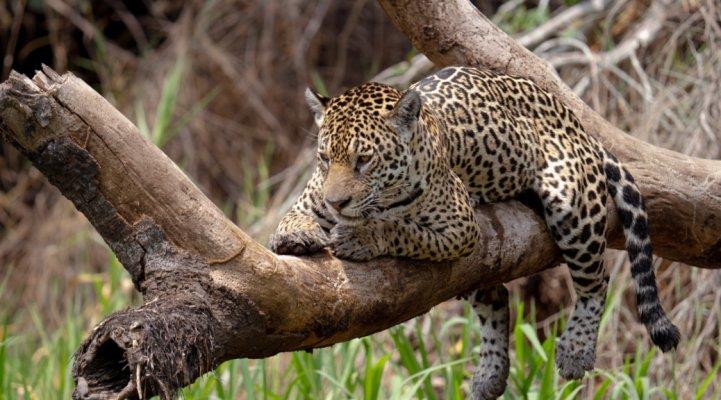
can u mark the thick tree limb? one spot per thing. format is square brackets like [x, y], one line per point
[213, 294]
[682, 193]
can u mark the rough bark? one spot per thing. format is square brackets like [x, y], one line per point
[211, 292]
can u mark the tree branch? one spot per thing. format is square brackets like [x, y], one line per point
[220, 295]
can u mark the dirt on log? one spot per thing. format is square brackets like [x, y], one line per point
[213, 294]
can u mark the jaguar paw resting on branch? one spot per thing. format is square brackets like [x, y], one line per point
[213, 294]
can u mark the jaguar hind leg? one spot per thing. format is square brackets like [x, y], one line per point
[576, 215]
[576, 349]
[491, 306]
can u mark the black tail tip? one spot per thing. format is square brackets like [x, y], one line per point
[665, 335]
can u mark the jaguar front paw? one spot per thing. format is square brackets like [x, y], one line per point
[298, 242]
[354, 243]
[353, 251]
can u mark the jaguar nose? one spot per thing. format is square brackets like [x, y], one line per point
[337, 204]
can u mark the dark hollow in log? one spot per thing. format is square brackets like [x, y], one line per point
[153, 349]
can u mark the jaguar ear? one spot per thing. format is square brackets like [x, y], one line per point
[317, 104]
[404, 116]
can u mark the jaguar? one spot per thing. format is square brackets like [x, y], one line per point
[399, 173]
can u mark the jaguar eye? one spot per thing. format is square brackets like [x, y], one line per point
[362, 161]
[324, 160]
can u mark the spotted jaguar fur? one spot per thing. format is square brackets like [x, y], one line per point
[398, 174]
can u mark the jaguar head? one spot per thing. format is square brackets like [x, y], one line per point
[366, 149]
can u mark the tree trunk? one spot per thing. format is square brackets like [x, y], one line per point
[213, 294]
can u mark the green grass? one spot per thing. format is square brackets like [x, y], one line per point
[166, 123]
[521, 19]
[431, 357]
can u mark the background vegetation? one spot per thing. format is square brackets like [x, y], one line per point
[218, 85]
